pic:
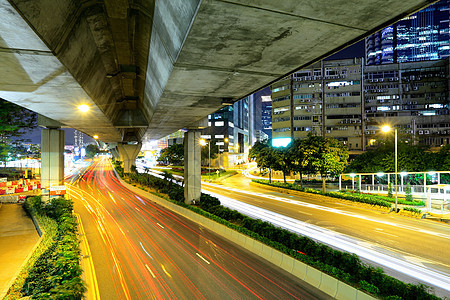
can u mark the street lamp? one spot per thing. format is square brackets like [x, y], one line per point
[83, 107]
[387, 128]
[203, 143]
[225, 141]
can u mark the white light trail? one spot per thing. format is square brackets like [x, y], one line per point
[341, 241]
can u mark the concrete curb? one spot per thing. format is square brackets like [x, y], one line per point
[87, 264]
[324, 282]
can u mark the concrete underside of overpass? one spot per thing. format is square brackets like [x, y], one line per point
[149, 68]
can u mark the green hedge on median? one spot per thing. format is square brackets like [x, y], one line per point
[352, 196]
[342, 265]
[57, 272]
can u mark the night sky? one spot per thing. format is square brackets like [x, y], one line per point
[35, 136]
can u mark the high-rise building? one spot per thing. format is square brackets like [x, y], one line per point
[424, 35]
[229, 127]
[260, 116]
[349, 101]
[78, 137]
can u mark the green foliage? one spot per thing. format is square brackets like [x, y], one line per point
[413, 158]
[91, 150]
[207, 151]
[408, 195]
[15, 121]
[370, 288]
[173, 155]
[390, 189]
[57, 272]
[118, 166]
[412, 209]
[316, 154]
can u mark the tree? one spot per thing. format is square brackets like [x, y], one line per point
[267, 159]
[255, 151]
[15, 121]
[206, 151]
[330, 156]
[91, 150]
[301, 153]
[173, 154]
[283, 161]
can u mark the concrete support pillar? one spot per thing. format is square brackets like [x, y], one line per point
[192, 166]
[52, 157]
[115, 153]
[128, 154]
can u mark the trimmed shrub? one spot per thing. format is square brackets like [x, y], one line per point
[56, 274]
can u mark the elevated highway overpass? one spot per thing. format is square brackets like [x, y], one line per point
[147, 68]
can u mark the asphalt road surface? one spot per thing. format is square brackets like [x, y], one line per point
[422, 244]
[143, 251]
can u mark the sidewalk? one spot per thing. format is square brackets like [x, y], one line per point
[18, 236]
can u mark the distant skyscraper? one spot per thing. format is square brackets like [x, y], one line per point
[424, 35]
[266, 115]
[78, 139]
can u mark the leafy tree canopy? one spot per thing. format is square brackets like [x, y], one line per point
[411, 158]
[173, 154]
[15, 121]
[91, 150]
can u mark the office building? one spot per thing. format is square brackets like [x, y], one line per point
[351, 101]
[229, 128]
[422, 36]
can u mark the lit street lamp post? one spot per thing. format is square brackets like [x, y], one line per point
[387, 128]
[203, 143]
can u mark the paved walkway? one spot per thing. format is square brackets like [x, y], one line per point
[17, 238]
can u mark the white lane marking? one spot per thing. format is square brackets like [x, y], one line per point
[142, 201]
[305, 213]
[198, 254]
[160, 225]
[393, 235]
[145, 250]
[148, 268]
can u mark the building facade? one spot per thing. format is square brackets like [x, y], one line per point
[349, 101]
[422, 36]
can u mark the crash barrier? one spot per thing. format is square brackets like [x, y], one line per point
[18, 186]
[9, 199]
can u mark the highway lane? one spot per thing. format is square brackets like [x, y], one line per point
[421, 242]
[143, 251]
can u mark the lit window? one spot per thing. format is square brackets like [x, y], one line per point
[219, 123]
[219, 136]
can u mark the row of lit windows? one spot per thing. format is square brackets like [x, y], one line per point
[281, 119]
[346, 94]
[281, 99]
[343, 105]
[281, 129]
